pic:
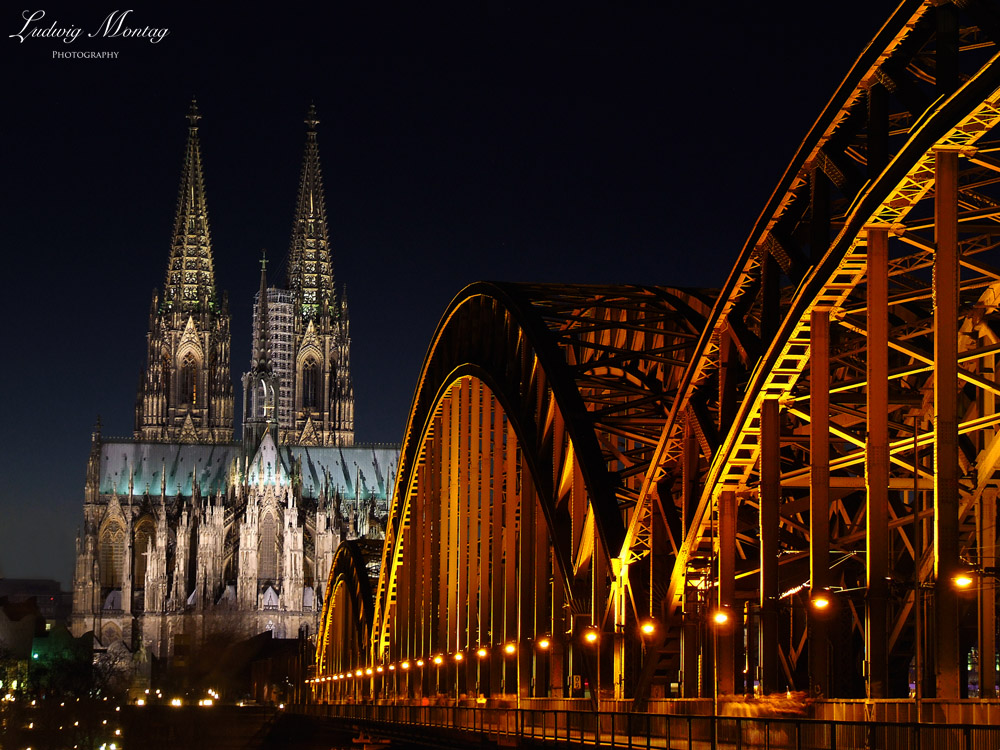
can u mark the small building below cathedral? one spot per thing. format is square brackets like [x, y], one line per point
[189, 536]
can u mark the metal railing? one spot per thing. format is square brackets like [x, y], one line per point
[646, 730]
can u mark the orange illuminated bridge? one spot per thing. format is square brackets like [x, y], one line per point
[639, 494]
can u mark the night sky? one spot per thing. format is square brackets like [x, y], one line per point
[620, 142]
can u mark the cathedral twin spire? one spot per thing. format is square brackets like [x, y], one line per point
[190, 278]
[299, 382]
[186, 393]
[316, 392]
[310, 271]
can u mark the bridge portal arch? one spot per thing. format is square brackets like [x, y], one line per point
[533, 421]
[346, 624]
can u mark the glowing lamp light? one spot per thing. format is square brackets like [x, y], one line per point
[720, 616]
[459, 656]
[392, 667]
[405, 665]
[358, 673]
[175, 702]
[369, 671]
[379, 670]
[482, 653]
[962, 580]
[544, 644]
[438, 659]
[590, 635]
[648, 627]
[821, 599]
[509, 649]
[420, 662]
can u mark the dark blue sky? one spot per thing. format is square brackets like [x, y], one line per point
[577, 142]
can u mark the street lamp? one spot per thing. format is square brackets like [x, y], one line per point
[720, 617]
[592, 637]
[458, 657]
[438, 660]
[482, 653]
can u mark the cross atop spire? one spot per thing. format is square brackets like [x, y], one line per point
[190, 281]
[311, 119]
[310, 270]
[261, 339]
[192, 114]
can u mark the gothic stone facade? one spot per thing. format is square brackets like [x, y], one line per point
[181, 541]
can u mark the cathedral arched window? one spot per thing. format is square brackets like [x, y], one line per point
[310, 385]
[265, 404]
[189, 380]
[145, 540]
[166, 369]
[112, 554]
[267, 549]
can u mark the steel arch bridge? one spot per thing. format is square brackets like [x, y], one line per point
[591, 474]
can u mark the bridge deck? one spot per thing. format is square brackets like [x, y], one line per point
[531, 727]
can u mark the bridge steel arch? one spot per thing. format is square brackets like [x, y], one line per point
[533, 423]
[348, 613]
[846, 441]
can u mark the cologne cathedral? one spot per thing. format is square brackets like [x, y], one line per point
[188, 532]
